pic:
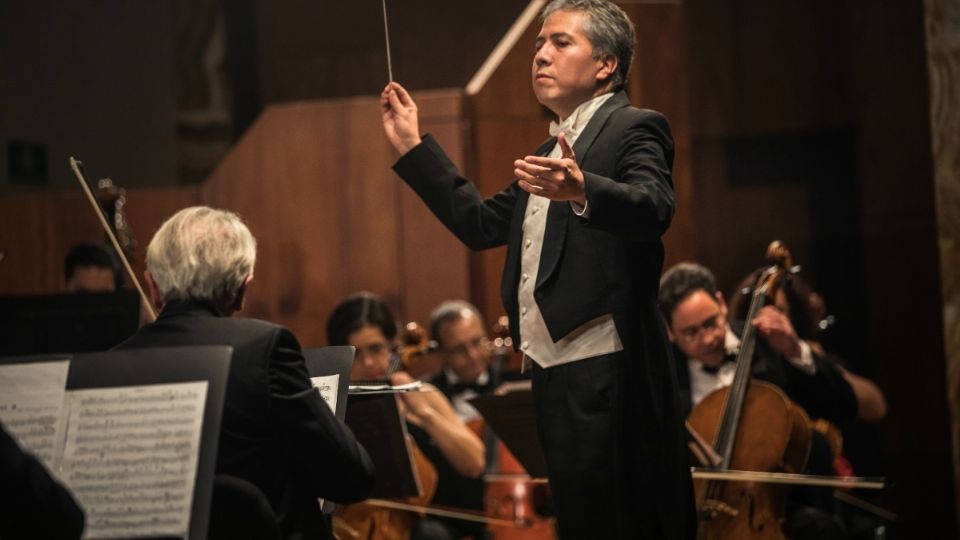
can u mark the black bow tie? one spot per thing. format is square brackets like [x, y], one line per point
[713, 370]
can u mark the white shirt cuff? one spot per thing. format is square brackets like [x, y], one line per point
[582, 211]
[805, 361]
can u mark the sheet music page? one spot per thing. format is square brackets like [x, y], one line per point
[130, 457]
[328, 386]
[31, 400]
[414, 386]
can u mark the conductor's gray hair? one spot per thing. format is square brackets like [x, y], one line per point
[201, 253]
[609, 30]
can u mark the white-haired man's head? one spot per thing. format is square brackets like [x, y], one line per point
[201, 254]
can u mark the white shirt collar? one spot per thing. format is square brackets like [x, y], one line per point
[453, 379]
[572, 125]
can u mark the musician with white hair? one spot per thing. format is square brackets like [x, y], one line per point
[276, 431]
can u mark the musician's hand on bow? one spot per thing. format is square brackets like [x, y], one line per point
[558, 179]
[776, 328]
[415, 406]
[400, 121]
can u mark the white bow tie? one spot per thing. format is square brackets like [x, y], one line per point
[566, 127]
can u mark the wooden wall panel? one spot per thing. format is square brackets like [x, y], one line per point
[659, 81]
[37, 230]
[313, 180]
[943, 63]
[901, 253]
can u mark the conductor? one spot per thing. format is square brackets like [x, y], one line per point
[582, 222]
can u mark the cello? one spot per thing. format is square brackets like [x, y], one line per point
[753, 426]
[368, 521]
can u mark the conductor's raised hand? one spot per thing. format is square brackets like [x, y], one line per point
[558, 179]
[400, 121]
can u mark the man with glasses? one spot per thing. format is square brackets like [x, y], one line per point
[706, 346]
[465, 352]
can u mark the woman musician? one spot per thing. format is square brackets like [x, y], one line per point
[365, 322]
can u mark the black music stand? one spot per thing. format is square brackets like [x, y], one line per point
[378, 425]
[513, 418]
[67, 323]
[136, 367]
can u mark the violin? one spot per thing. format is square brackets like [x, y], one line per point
[753, 426]
[77, 168]
[417, 352]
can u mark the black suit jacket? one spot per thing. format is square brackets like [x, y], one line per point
[824, 394]
[607, 264]
[32, 503]
[276, 431]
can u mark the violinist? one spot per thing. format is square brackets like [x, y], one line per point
[365, 322]
[458, 330]
[705, 346]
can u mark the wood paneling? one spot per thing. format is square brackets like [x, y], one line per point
[313, 180]
[37, 231]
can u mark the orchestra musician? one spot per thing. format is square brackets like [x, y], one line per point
[364, 321]
[276, 432]
[706, 344]
[89, 269]
[582, 222]
[465, 351]
[807, 311]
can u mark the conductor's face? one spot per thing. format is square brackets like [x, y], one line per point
[565, 74]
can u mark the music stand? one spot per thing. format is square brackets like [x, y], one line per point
[513, 417]
[66, 323]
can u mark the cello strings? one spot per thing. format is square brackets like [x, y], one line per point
[386, 37]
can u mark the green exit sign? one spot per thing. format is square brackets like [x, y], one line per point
[27, 163]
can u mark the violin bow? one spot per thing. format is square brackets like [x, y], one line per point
[77, 168]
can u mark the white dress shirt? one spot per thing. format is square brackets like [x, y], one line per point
[593, 338]
[703, 382]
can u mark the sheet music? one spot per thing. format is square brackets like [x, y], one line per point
[414, 386]
[328, 386]
[31, 397]
[130, 457]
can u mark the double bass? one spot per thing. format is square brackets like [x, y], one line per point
[753, 426]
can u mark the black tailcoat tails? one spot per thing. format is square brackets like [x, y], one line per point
[609, 263]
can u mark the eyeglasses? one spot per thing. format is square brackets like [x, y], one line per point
[692, 333]
[481, 343]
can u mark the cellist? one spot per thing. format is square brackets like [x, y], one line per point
[465, 352]
[705, 346]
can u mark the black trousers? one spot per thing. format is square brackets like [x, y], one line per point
[581, 421]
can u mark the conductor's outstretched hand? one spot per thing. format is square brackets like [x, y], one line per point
[400, 121]
[558, 179]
